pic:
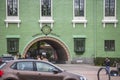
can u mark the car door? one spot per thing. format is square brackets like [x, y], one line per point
[25, 71]
[46, 72]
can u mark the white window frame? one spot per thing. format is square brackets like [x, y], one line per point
[109, 19]
[46, 19]
[79, 19]
[12, 19]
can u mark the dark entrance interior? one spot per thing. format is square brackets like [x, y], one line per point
[55, 51]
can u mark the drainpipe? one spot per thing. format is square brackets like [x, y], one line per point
[95, 26]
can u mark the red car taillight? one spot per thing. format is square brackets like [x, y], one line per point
[1, 73]
[0, 60]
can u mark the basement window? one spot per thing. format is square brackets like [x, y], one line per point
[12, 45]
[79, 45]
[109, 45]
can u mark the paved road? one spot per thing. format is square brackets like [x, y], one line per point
[89, 71]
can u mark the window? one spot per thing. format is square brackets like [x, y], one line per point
[109, 12]
[13, 45]
[26, 66]
[109, 7]
[46, 7]
[12, 12]
[79, 7]
[79, 45]
[43, 67]
[109, 45]
[46, 12]
[12, 7]
[79, 13]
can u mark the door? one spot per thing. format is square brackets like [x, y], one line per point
[25, 71]
[46, 71]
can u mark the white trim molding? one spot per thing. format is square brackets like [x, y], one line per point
[109, 19]
[79, 19]
[46, 19]
[12, 19]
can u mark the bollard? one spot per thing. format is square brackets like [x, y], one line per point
[98, 74]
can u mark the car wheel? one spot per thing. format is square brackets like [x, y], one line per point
[70, 79]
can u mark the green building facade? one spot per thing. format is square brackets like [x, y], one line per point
[66, 30]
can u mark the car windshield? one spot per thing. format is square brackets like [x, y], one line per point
[2, 65]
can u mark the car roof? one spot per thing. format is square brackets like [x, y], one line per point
[17, 60]
[20, 60]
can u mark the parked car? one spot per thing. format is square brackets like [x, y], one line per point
[6, 59]
[30, 69]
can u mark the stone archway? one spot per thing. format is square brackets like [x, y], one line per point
[61, 49]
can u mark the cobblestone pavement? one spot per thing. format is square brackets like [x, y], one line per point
[89, 71]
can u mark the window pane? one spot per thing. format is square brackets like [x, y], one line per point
[79, 7]
[109, 7]
[27, 66]
[43, 67]
[106, 7]
[112, 7]
[46, 7]
[12, 7]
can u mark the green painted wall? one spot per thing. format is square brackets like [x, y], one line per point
[107, 33]
[63, 15]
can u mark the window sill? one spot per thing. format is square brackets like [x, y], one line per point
[46, 20]
[109, 20]
[75, 21]
[16, 21]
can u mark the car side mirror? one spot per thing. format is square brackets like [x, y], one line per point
[55, 71]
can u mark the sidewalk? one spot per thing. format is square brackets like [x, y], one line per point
[89, 71]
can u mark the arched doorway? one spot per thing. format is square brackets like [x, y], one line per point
[53, 47]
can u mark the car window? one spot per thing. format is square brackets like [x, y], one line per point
[44, 67]
[27, 66]
[2, 65]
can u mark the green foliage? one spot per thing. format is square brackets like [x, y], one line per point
[99, 61]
